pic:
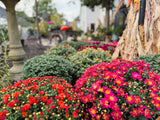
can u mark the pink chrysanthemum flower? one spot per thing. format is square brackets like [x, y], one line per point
[119, 82]
[150, 82]
[137, 100]
[147, 113]
[105, 116]
[116, 115]
[108, 92]
[114, 75]
[115, 107]
[119, 72]
[93, 111]
[98, 117]
[130, 99]
[112, 98]
[136, 76]
[95, 86]
[105, 103]
[134, 113]
[157, 105]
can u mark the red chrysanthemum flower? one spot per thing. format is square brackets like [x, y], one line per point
[4, 112]
[44, 99]
[26, 107]
[24, 114]
[41, 93]
[32, 100]
[75, 114]
[11, 104]
[6, 96]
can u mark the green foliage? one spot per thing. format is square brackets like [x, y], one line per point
[57, 19]
[3, 34]
[61, 50]
[41, 66]
[4, 65]
[118, 30]
[86, 58]
[153, 60]
[46, 7]
[108, 4]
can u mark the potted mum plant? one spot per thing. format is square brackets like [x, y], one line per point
[39, 98]
[120, 90]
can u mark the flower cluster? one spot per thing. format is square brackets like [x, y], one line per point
[120, 90]
[106, 47]
[39, 99]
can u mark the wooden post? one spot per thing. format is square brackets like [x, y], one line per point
[16, 53]
[37, 23]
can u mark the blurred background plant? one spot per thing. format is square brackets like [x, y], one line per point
[3, 34]
[4, 64]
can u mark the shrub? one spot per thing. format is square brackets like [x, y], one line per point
[125, 90]
[41, 66]
[61, 50]
[86, 58]
[39, 99]
[153, 60]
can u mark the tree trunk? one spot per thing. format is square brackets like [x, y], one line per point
[16, 53]
[142, 39]
[107, 18]
[37, 23]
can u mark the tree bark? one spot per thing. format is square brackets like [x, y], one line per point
[140, 40]
[37, 23]
[16, 53]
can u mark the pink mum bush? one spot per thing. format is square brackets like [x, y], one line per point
[39, 99]
[120, 90]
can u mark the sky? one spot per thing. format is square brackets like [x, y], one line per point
[69, 10]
